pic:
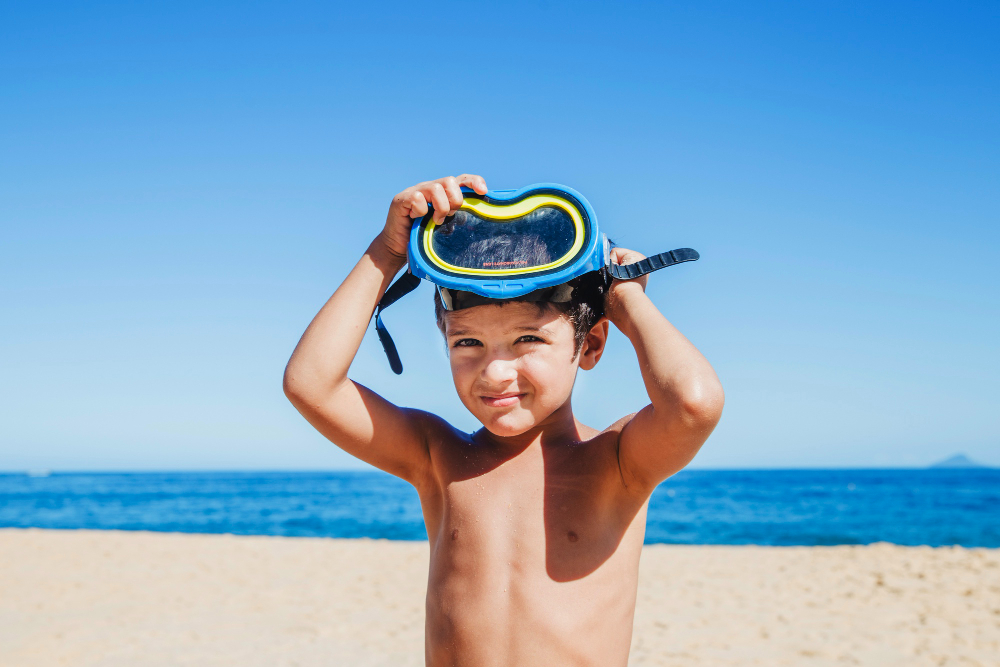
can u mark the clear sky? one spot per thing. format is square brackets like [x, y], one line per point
[183, 185]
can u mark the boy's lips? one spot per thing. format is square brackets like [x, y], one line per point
[501, 400]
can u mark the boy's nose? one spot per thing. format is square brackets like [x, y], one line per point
[499, 371]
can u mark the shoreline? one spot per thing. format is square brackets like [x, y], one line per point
[84, 597]
[322, 538]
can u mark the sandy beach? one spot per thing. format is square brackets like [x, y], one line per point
[115, 598]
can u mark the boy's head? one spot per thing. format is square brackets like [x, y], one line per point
[514, 361]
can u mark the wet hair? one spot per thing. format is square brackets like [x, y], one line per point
[584, 309]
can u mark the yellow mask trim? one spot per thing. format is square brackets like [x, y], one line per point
[509, 212]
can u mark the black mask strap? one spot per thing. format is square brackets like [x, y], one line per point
[403, 286]
[654, 263]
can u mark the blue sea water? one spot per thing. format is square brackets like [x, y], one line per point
[788, 507]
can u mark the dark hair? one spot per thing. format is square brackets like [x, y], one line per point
[584, 309]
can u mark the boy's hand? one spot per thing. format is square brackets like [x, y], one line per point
[620, 289]
[444, 194]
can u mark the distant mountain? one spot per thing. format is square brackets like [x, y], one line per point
[958, 461]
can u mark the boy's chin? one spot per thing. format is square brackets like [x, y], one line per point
[509, 425]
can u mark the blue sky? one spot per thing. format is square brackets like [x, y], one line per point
[182, 186]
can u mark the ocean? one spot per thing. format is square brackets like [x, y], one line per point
[784, 508]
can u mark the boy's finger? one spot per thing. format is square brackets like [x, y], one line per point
[477, 183]
[439, 198]
[418, 205]
[454, 192]
[626, 256]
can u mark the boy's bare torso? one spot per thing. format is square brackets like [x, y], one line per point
[534, 550]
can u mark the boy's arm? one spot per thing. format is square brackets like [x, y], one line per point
[357, 419]
[685, 395]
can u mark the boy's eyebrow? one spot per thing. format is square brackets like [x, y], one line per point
[470, 332]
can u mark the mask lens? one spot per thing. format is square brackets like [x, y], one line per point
[472, 241]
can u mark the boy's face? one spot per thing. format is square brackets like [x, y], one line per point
[514, 364]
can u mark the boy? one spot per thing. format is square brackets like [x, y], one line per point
[536, 521]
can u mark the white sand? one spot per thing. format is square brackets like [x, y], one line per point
[110, 598]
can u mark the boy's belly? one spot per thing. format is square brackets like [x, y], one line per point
[534, 593]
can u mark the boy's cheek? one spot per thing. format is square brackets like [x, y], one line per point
[553, 370]
[461, 367]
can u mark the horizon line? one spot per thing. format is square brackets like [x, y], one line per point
[152, 471]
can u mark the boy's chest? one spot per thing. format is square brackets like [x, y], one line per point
[560, 510]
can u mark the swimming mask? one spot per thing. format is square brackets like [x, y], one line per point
[526, 243]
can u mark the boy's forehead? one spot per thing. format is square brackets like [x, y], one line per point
[507, 316]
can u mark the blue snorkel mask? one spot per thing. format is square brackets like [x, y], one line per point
[528, 243]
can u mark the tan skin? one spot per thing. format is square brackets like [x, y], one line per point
[536, 521]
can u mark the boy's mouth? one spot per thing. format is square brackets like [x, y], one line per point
[501, 400]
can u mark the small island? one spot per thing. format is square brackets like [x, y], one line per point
[958, 461]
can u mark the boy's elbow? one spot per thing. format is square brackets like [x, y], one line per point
[295, 389]
[289, 386]
[302, 387]
[701, 403]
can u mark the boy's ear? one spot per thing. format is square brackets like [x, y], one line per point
[593, 344]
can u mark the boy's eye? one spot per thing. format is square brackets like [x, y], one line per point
[467, 342]
[529, 339]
